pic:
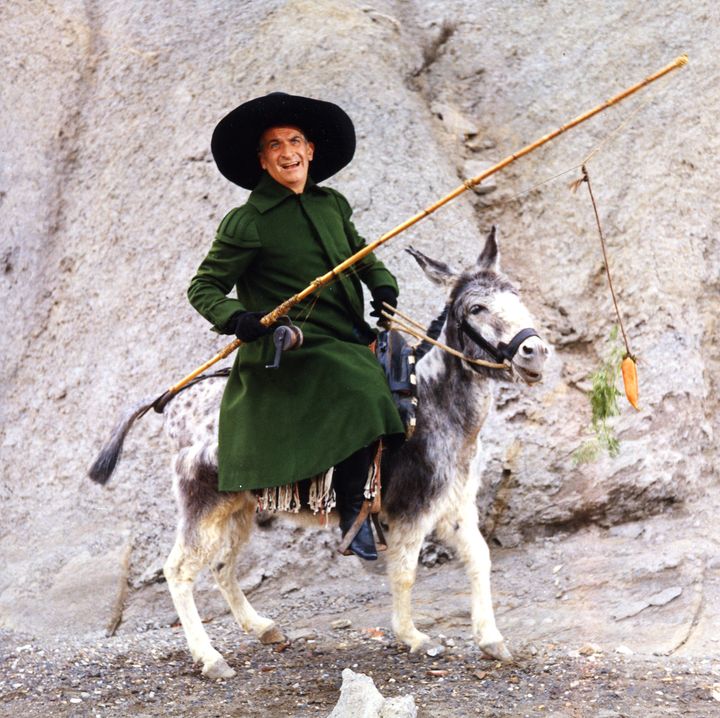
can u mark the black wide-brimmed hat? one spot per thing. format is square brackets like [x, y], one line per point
[235, 139]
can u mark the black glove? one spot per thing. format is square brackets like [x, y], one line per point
[379, 295]
[246, 326]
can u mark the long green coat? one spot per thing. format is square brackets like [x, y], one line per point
[329, 397]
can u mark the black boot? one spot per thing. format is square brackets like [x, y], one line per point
[349, 482]
[363, 544]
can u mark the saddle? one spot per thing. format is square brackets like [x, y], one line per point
[397, 359]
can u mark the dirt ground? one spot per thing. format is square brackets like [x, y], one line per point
[155, 677]
[602, 623]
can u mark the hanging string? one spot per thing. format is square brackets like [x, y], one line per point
[586, 179]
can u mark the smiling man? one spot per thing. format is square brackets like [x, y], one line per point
[328, 404]
[285, 154]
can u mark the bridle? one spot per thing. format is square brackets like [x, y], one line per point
[501, 352]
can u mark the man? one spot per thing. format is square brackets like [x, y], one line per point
[328, 404]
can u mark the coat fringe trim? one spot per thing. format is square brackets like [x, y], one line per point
[287, 498]
[322, 494]
[321, 498]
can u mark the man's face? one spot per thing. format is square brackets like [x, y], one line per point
[285, 154]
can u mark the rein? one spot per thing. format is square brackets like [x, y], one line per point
[416, 330]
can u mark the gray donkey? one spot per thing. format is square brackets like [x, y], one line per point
[427, 483]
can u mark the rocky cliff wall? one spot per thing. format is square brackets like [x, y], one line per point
[109, 200]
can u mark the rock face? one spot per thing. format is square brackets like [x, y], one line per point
[110, 199]
[359, 698]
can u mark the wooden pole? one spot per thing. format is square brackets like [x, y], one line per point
[321, 281]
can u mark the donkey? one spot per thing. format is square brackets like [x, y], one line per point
[427, 483]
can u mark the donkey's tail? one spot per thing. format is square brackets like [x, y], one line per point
[106, 461]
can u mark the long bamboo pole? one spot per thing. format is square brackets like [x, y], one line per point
[326, 278]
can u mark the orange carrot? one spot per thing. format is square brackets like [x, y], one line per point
[630, 380]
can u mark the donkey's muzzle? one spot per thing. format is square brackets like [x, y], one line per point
[529, 358]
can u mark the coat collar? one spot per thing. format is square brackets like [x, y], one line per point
[268, 193]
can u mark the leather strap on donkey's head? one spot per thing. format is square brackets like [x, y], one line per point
[501, 351]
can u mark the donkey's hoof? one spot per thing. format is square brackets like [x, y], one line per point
[218, 669]
[272, 635]
[498, 651]
[418, 642]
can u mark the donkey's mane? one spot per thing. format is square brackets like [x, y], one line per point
[433, 332]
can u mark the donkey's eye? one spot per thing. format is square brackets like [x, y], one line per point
[477, 308]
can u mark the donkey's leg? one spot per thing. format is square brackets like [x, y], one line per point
[182, 566]
[459, 528]
[223, 569]
[202, 531]
[402, 555]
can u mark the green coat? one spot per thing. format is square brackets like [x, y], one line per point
[329, 397]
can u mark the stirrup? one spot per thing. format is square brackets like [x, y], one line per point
[352, 532]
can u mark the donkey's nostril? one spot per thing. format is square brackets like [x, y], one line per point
[527, 351]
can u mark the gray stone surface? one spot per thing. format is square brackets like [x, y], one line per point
[76, 583]
[632, 608]
[399, 707]
[358, 697]
[109, 200]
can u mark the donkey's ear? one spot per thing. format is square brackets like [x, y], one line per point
[490, 256]
[438, 272]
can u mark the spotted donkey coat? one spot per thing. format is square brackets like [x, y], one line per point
[428, 483]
